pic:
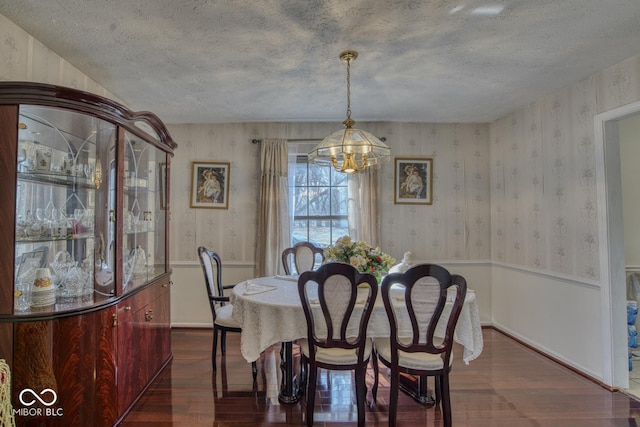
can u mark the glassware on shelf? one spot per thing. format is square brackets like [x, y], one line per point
[83, 220]
[27, 160]
[40, 216]
[78, 169]
[33, 227]
[137, 261]
[22, 294]
[88, 219]
[76, 283]
[57, 224]
[75, 277]
[59, 162]
[89, 171]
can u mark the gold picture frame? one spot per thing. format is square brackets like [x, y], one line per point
[413, 181]
[210, 185]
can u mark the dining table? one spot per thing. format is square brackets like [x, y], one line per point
[269, 311]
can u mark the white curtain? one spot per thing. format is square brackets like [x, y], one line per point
[363, 211]
[273, 213]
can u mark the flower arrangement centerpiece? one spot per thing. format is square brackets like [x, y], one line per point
[360, 255]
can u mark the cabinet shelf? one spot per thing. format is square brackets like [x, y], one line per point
[69, 237]
[58, 179]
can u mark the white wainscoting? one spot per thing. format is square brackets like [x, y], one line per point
[560, 316]
[189, 301]
[478, 277]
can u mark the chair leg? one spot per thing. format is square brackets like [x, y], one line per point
[361, 393]
[223, 342]
[311, 393]
[374, 390]
[214, 347]
[446, 400]
[304, 373]
[393, 397]
[254, 370]
[438, 389]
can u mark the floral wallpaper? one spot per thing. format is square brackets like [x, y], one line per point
[544, 212]
[456, 226]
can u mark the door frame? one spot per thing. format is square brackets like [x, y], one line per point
[611, 238]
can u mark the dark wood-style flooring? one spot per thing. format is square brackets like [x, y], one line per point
[508, 385]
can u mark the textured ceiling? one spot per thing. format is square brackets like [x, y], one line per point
[205, 61]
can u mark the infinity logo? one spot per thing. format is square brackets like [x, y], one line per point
[37, 397]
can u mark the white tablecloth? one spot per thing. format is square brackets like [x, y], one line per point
[269, 311]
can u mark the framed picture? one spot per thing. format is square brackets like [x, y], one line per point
[163, 186]
[210, 185]
[30, 261]
[413, 181]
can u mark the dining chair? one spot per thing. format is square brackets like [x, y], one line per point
[220, 307]
[302, 256]
[415, 302]
[337, 301]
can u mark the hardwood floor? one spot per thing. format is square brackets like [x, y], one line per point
[508, 385]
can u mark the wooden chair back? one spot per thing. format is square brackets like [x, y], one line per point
[303, 256]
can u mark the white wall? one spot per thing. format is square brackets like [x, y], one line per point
[558, 315]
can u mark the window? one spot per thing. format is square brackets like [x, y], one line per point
[318, 201]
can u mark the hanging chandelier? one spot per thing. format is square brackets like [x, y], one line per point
[350, 150]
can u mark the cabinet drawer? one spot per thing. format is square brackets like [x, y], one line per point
[144, 340]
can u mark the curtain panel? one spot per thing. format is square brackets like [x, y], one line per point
[273, 213]
[363, 211]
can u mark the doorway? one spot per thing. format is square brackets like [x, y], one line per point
[629, 138]
[612, 144]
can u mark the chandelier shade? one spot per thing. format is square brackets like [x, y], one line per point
[350, 150]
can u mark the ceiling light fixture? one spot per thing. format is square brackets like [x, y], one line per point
[350, 150]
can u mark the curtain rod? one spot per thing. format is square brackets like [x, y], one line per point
[258, 141]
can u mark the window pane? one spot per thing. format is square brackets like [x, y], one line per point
[319, 201]
[318, 175]
[338, 178]
[300, 231]
[339, 228]
[339, 201]
[300, 201]
[320, 233]
[299, 171]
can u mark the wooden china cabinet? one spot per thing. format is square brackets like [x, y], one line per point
[84, 265]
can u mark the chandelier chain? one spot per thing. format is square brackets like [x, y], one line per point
[350, 150]
[348, 88]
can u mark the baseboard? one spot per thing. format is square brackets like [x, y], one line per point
[191, 326]
[554, 359]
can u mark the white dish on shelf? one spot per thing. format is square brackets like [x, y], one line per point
[44, 296]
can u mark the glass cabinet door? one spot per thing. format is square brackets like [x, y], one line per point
[143, 212]
[63, 259]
